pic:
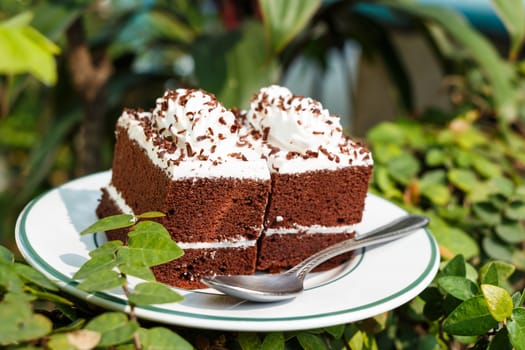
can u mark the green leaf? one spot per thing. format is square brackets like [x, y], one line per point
[500, 341]
[79, 339]
[139, 271]
[336, 331]
[103, 280]
[465, 180]
[283, 20]
[52, 297]
[9, 279]
[151, 215]
[149, 244]
[18, 323]
[34, 276]
[403, 168]
[486, 167]
[459, 287]
[486, 211]
[148, 228]
[150, 293]
[503, 271]
[471, 317]
[249, 341]
[511, 231]
[109, 223]
[490, 275]
[114, 327]
[160, 338]
[385, 183]
[25, 50]
[498, 301]
[515, 210]
[311, 341]
[516, 328]
[274, 341]
[501, 185]
[496, 250]
[108, 248]
[95, 265]
[6, 256]
[455, 267]
[513, 18]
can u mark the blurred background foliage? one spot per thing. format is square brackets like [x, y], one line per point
[68, 68]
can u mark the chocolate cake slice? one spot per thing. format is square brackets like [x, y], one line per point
[319, 178]
[184, 159]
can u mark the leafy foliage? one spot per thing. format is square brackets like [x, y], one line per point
[464, 169]
[21, 285]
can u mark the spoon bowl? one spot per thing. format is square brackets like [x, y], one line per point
[290, 284]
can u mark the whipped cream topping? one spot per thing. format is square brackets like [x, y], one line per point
[293, 123]
[299, 135]
[199, 126]
[165, 154]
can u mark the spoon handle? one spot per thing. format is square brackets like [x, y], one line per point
[389, 232]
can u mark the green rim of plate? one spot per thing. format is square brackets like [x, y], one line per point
[122, 304]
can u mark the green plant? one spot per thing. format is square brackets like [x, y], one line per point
[23, 289]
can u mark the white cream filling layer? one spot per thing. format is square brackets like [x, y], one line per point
[117, 198]
[314, 229]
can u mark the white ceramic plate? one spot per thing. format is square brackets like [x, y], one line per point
[376, 280]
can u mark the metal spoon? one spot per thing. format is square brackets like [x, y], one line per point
[289, 284]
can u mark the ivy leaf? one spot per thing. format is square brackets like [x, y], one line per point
[284, 19]
[18, 323]
[95, 265]
[498, 301]
[149, 227]
[150, 293]
[114, 328]
[160, 338]
[139, 271]
[103, 280]
[34, 276]
[459, 287]
[275, 341]
[108, 248]
[150, 250]
[516, 328]
[109, 223]
[151, 215]
[471, 317]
